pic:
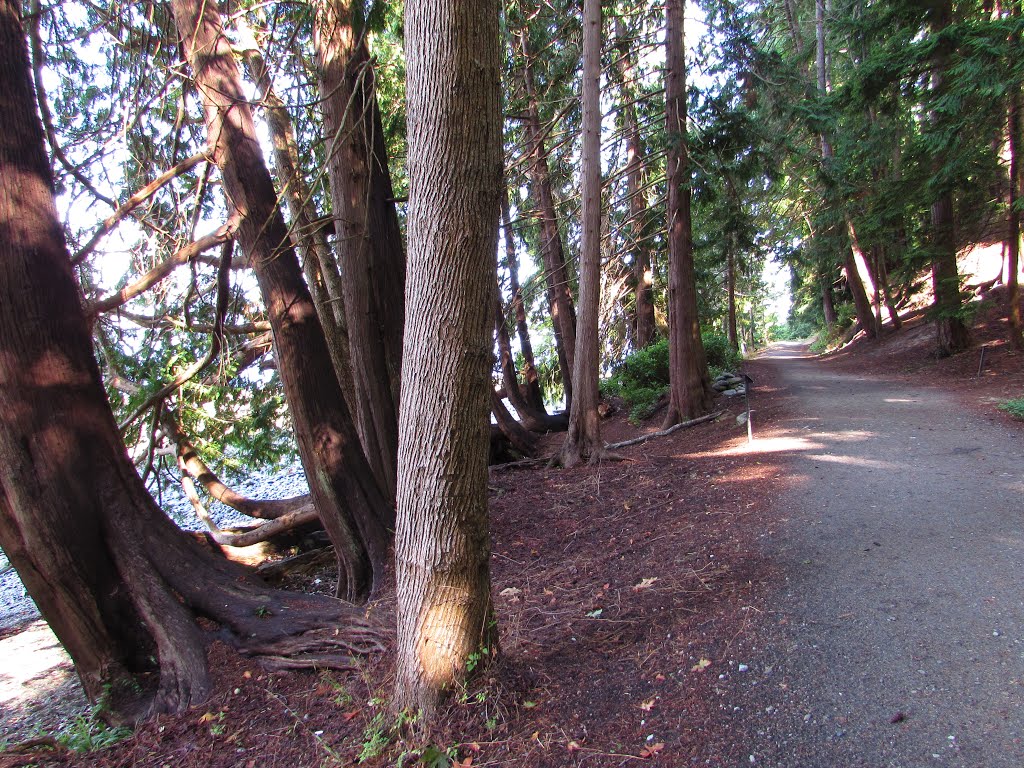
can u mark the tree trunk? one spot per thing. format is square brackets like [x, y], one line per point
[730, 281]
[354, 511]
[521, 438]
[117, 582]
[455, 168]
[828, 306]
[952, 335]
[369, 240]
[690, 393]
[583, 441]
[851, 255]
[532, 419]
[856, 271]
[880, 275]
[534, 394]
[563, 313]
[643, 291]
[1013, 137]
[317, 259]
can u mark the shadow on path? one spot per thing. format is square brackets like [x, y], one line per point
[897, 638]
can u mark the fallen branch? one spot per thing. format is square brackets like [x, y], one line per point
[662, 433]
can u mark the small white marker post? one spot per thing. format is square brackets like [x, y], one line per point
[747, 382]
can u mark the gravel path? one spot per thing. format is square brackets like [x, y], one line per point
[898, 636]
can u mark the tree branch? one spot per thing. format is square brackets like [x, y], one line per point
[136, 200]
[223, 297]
[224, 234]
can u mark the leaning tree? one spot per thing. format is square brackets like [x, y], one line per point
[118, 582]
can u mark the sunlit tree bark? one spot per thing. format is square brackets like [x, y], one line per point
[455, 169]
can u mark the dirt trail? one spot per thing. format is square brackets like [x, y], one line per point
[897, 637]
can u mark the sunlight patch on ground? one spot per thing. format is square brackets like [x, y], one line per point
[900, 400]
[781, 444]
[33, 665]
[832, 458]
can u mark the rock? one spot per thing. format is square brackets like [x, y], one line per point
[742, 419]
[732, 382]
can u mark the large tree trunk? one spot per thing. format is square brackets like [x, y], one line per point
[534, 394]
[643, 280]
[318, 260]
[563, 312]
[951, 334]
[828, 306]
[118, 583]
[730, 284]
[355, 512]
[455, 168]
[369, 240]
[583, 441]
[856, 272]
[690, 393]
[1013, 136]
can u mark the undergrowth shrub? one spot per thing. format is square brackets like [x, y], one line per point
[1014, 407]
[641, 379]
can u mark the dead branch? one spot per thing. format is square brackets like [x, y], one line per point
[136, 200]
[222, 235]
[662, 433]
[166, 323]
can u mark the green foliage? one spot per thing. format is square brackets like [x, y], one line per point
[88, 734]
[719, 352]
[377, 736]
[642, 378]
[1014, 407]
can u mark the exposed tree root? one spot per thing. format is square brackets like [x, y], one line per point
[325, 648]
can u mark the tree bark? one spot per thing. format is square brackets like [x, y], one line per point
[521, 438]
[355, 512]
[951, 334]
[583, 440]
[643, 288]
[828, 306]
[532, 419]
[318, 262]
[1013, 139]
[369, 239]
[118, 583]
[455, 168]
[534, 394]
[690, 393]
[563, 312]
[856, 270]
[730, 283]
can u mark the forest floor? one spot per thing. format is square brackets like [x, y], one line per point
[705, 601]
